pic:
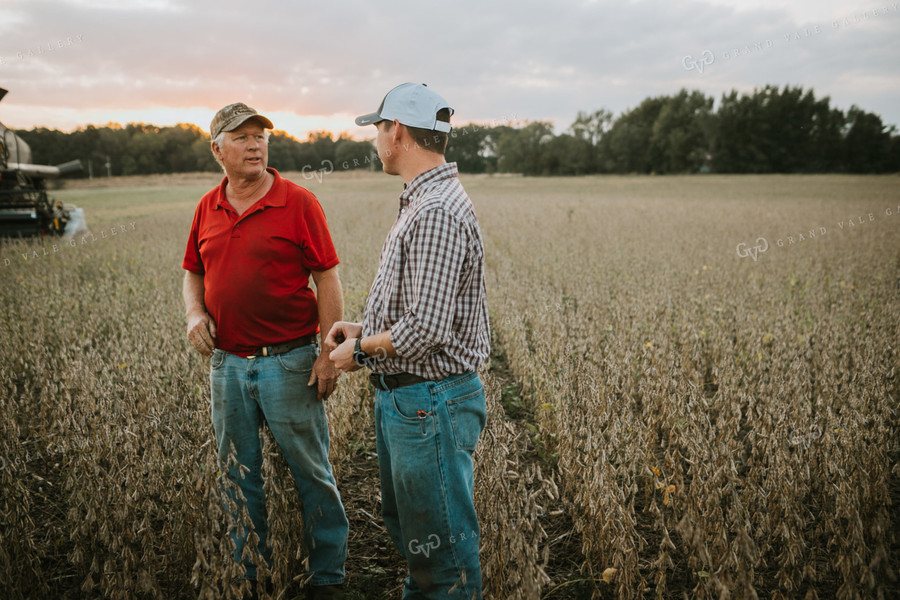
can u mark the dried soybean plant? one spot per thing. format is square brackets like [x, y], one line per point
[712, 425]
[509, 498]
[733, 422]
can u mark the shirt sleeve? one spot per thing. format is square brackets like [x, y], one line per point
[435, 251]
[317, 247]
[192, 261]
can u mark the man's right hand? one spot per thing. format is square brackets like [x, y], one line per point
[341, 331]
[201, 333]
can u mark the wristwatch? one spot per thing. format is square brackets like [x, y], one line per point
[359, 356]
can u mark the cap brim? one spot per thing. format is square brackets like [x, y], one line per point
[369, 119]
[266, 123]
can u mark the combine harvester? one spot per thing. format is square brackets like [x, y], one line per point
[25, 208]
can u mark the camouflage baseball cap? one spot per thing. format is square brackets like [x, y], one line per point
[232, 116]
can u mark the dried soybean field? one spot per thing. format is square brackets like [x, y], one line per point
[693, 393]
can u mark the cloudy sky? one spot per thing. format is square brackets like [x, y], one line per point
[316, 65]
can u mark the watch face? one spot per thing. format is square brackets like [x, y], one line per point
[359, 356]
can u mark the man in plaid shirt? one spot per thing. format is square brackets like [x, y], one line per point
[424, 334]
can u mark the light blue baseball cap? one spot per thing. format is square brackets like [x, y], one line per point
[412, 104]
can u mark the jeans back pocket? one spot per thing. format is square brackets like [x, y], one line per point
[467, 418]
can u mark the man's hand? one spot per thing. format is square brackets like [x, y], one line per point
[201, 333]
[343, 354]
[340, 332]
[325, 374]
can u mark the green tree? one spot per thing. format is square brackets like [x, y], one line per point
[350, 154]
[776, 130]
[148, 150]
[825, 154]
[679, 141]
[177, 144]
[739, 143]
[626, 148]
[467, 147]
[770, 130]
[867, 144]
[566, 155]
[281, 152]
[322, 144]
[589, 128]
[202, 156]
[521, 150]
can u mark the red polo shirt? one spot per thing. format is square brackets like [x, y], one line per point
[256, 266]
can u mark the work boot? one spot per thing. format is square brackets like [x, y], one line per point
[325, 592]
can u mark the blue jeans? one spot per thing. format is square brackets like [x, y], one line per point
[426, 434]
[244, 394]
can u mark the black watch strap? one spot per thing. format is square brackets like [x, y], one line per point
[359, 356]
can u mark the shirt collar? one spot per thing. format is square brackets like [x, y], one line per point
[274, 197]
[425, 180]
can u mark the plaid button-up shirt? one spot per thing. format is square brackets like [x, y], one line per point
[429, 290]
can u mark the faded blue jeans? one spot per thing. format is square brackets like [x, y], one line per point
[426, 434]
[274, 389]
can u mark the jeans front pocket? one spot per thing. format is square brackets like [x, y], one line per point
[217, 359]
[412, 402]
[298, 360]
[467, 418]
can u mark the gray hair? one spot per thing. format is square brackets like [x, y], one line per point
[219, 139]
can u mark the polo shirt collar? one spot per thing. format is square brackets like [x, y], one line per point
[423, 181]
[274, 198]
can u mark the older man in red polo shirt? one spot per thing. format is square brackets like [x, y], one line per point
[254, 243]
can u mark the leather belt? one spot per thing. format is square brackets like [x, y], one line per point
[306, 340]
[393, 381]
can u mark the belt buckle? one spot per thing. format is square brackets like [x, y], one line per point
[258, 354]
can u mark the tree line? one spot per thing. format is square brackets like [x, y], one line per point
[770, 130]
[142, 149]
